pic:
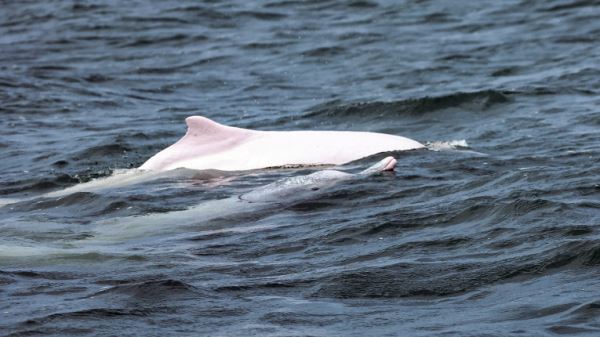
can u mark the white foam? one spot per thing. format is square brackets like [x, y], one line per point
[8, 201]
[447, 145]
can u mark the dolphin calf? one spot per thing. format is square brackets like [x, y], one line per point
[302, 187]
[272, 196]
[210, 145]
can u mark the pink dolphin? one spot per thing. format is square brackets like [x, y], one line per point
[210, 145]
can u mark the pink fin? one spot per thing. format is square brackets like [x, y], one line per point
[203, 137]
[208, 133]
[204, 127]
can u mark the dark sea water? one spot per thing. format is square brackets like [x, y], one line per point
[499, 237]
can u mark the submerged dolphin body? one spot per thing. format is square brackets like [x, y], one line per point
[210, 145]
[285, 191]
[196, 220]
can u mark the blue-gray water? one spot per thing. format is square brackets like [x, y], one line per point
[454, 243]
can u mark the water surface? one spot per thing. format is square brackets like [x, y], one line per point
[497, 239]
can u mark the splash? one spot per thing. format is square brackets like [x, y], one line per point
[452, 145]
[447, 145]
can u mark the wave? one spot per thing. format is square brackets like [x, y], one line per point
[440, 279]
[473, 101]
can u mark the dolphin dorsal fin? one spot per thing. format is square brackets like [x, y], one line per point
[204, 137]
[202, 126]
